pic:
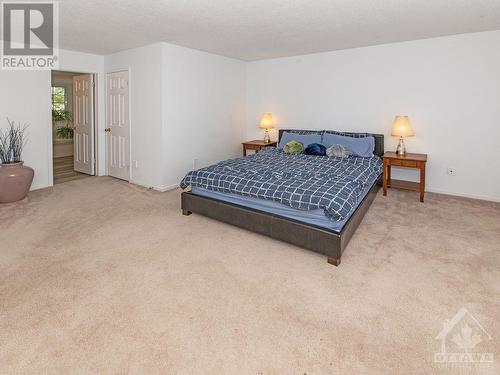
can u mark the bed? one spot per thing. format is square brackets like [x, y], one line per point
[313, 202]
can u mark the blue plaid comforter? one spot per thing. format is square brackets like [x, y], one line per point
[304, 182]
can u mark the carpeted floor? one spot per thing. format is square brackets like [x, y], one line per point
[100, 276]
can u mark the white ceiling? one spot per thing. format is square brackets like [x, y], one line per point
[259, 29]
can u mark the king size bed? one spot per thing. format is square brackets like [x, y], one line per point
[315, 202]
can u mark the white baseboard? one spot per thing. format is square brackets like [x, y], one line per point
[455, 194]
[165, 188]
[38, 187]
[161, 188]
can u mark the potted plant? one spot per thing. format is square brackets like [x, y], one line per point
[62, 140]
[63, 126]
[15, 177]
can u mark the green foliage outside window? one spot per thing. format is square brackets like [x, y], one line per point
[58, 98]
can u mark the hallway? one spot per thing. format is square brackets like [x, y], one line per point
[63, 170]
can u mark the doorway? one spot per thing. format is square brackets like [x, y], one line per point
[73, 126]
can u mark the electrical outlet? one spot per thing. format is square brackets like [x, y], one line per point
[450, 171]
[195, 163]
[135, 163]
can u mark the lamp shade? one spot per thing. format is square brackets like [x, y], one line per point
[402, 127]
[267, 122]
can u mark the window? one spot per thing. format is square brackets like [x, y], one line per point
[58, 98]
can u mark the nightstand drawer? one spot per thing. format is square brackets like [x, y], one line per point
[253, 147]
[404, 163]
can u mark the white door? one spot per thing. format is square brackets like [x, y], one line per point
[83, 123]
[118, 126]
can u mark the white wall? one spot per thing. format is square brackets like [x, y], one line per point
[185, 105]
[145, 72]
[188, 105]
[450, 88]
[25, 96]
[204, 110]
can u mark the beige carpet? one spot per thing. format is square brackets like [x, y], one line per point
[99, 276]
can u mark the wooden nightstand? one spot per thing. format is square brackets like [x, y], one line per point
[256, 145]
[417, 161]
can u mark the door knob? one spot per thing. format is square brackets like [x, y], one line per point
[107, 130]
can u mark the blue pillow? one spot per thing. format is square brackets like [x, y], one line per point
[315, 149]
[305, 139]
[359, 146]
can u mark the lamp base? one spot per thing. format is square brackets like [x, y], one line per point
[267, 138]
[401, 150]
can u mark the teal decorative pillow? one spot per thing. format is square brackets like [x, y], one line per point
[293, 147]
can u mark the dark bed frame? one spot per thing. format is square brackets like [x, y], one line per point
[328, 242]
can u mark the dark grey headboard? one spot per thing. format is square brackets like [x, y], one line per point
[379, 138]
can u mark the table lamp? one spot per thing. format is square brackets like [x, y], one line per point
[267, 122]
[401, 127]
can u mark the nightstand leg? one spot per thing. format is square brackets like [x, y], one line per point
[384, 177]
[244, 151]
[422, 182]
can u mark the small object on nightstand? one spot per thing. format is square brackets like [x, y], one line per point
[267, 123]
[401, 127]
[257, 145]
[417, 161]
